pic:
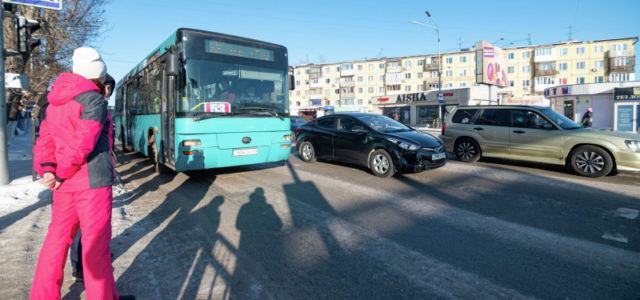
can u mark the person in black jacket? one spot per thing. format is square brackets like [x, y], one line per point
[587, 118]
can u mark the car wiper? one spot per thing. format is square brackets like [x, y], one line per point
[261, 110]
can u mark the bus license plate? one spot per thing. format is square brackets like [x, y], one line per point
[438, 156]
[242, 152]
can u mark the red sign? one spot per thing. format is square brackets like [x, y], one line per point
[383, 99]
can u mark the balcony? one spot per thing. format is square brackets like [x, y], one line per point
[394, 67]
[347, 70]
[344, 83]
[433, 65]
[622, 64]
[316, 83]
[545, 73]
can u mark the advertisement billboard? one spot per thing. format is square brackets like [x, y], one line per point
[491, 64]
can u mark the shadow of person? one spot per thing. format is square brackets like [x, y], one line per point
[260, 245]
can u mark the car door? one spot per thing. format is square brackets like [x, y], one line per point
[350, 141]
[322, 139]
[533, 137]
[492, 126]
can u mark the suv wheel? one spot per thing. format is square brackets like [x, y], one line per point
[307, 152]
[467, 150]
[590, 161]
[381, 164]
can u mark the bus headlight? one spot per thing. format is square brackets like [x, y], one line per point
[286, 137]
[191, 143]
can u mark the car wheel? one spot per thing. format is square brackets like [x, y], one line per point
[381, 164]
[307, 152]
[467, 150]
[591, 161]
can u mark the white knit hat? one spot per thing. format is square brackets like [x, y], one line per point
[88, 63]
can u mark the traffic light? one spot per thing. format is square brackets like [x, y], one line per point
[26, 41]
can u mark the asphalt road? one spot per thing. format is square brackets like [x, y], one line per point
[493, 229]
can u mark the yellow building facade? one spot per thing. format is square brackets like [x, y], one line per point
[360, 86]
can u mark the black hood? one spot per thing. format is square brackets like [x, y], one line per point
[417, 137]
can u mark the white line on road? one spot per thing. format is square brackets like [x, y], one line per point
[615, 237]
[627, 213]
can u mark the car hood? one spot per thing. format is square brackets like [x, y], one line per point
[417, 137]
[602, 134]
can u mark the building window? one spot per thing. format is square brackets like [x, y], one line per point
[407, 88]
[463, 84]
[449, 60]
[511, 55]
[463, 73]
[306, 82]
[337, 69]
[370, 90]
[370, 66]
[359, 90]
[619, 47]
[420, 62]
[347, 67]
[562, 66]
[449, 73]
[337, 80]
[297, 93]
[407, 76]
[381, 77]
[359, 67]
[306, 71]
[511, 69]
[381, 66]
[337, 91]
[511, 83]
[420, 74]
[546, 66]
[327, 92]
[544, 51]
[407, 63]
[419, 87]
[327, 81]
[526, 54]
[381, 89]
[370, 78]
[526, 69]
[463, 59]
[563, 51]
[393, 87]
[297, 82]
[434, 74]
[360, 79]
[580, 80]
[598, 49]
[526, 83]
[545, 80]
[580, 50]
[580, 65]
[599, 79]
[620, 77]
[328, 102]
[327, 70]
[599, 64]
[359, 101]
[562, 81]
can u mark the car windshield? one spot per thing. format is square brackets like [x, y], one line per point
[382, 123]
[559, 119]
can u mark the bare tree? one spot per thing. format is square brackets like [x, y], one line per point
[77, 24]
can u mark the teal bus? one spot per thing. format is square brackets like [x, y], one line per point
[206, 100]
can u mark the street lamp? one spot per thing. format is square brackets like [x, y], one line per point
[437, 29]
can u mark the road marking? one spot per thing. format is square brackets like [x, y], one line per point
[615, 237]
[627, 213]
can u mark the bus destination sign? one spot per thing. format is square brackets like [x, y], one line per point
[218, 47]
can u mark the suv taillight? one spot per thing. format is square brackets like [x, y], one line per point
[444, 124]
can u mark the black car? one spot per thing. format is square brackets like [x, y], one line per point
[296, 122]
[383, 145]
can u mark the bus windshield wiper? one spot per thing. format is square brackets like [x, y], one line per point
[202, 116]
[261, 110]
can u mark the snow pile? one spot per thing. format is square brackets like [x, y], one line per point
[20, 193]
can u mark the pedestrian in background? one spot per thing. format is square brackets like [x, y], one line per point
[13, 114]
[72, 155]
[75, 254]
[587, 118]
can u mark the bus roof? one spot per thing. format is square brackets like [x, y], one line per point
[171, 40]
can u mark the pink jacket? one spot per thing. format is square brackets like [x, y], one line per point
[75, 137]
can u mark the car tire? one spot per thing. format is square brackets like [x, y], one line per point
[381, 163]
[590, 161]
[467, 150]
[307, 152]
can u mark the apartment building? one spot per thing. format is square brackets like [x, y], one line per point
[367, 85]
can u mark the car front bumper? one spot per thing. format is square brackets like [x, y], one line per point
[628, 161]
[417, 161]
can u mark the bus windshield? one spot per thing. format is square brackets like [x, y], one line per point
[210, 87]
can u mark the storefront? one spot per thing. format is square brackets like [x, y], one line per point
[615, 105]
[421, 109]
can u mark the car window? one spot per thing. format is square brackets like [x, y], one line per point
[463, 116]
[495, 117]
[559, 119]
[327, 123]
[528, 119]
[345, 124]
[382, 123]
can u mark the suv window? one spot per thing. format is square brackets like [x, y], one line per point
[495, 117]
[328, 123]
[464, 116]
[528, 119]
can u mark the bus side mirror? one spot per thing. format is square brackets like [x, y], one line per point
[172, 62]
[292, 81]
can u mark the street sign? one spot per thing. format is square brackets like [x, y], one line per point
[440, 98]
[51, 4]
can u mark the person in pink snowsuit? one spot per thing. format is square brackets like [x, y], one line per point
[72, 155]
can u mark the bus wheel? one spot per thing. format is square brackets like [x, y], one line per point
[154, 157]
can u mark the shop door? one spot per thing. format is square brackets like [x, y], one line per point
[569, 110]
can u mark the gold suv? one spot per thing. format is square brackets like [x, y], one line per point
[540, 135]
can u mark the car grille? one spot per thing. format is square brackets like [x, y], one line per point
[436, 149]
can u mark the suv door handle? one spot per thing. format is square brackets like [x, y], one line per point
[518, 131]
[478, 128]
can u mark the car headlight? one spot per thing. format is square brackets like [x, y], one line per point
[404, 144]
[633, 144]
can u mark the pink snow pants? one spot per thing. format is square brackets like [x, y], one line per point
[91, 211]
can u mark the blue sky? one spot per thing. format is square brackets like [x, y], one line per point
[334, 31]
